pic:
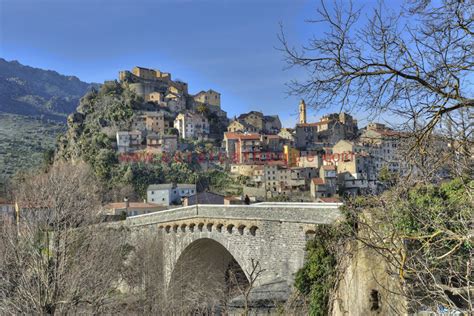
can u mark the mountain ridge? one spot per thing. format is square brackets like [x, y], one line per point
[35, 92]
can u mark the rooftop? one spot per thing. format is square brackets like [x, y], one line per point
[318, 181]
[167, 186]
[233, 135]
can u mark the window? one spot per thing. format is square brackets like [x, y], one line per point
[153, 200]
[163, 199]
[152, 192]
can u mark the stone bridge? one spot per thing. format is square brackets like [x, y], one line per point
[205, 240]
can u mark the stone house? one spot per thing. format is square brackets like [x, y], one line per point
[210, 97]
[204, 198]
[276, 179]
[237, 126]
[162, 143]
[329, 130]
[129, 141]
[318, 188]
[355, 168]
[146, 122]
[260, 123]
[384, 145]
[306, 134]
[329, 175]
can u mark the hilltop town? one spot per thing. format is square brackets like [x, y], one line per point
[140, 192]
[321, 161]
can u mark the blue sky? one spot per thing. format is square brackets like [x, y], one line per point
[226, 45]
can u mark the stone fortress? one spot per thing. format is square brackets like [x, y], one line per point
[158, 87]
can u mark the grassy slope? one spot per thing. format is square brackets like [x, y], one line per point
[23, 141]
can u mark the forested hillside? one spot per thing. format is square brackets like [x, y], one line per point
[34, 104]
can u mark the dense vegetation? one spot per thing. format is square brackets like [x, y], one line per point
[24, 141]
[316, 279]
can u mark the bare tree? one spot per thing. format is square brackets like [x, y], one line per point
[244, 289]
[57, 259]
[415, 62]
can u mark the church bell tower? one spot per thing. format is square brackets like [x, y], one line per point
[302, 107]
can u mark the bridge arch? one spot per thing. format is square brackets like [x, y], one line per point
[206, 272]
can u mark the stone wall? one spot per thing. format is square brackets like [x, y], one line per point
[367, 286]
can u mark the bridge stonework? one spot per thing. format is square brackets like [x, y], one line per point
[274, 234]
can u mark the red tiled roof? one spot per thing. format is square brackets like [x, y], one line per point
[233, 135]
[318, 181]
[249, 136]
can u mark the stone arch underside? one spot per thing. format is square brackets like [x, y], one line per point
[205, 274]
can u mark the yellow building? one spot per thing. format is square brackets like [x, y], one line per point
[209, 97]
[155, 122]
[149, 122]
[150, 74]
[291, 155]
[154, 97]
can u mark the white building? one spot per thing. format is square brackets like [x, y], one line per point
[192, 126]
[167, 194]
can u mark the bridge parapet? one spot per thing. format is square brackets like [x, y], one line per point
[304, 213]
